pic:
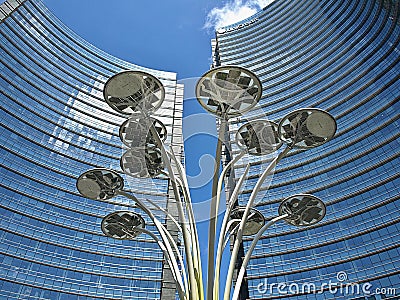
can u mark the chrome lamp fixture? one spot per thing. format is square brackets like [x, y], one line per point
[226, 92]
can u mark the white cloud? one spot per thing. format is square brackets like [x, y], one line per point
[261, 3]
[233, 11]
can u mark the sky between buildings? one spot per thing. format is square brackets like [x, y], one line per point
[171, 35]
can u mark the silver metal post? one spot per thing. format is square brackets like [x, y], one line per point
[172, 242]
[249, 252]
[213, 214]
[223, 230]
[194, 238]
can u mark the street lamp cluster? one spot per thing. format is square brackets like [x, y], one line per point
[226, 92]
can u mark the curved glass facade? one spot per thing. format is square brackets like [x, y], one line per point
[343, 57]
[55, 126]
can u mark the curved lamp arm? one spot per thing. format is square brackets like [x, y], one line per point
[223, 230]
[222, 176]
[195, 240]
[239, 235]
[250, 251]
[226, 240]
[184, 275]
[194, 289]
[169, 259]
[192, 222]
[171, 217]
[163, 233]
[212, 227]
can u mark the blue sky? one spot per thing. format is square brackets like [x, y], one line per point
[171, 35]
[164, 35]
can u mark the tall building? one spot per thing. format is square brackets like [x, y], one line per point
[343, 57]
[55, 126]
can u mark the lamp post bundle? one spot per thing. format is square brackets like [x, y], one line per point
[226, 92]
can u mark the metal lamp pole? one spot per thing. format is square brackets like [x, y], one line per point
[226, 92]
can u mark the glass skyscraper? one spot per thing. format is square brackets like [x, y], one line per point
[55, 126]
[343, 57]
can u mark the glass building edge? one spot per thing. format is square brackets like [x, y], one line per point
[51, 243]
[356, 174]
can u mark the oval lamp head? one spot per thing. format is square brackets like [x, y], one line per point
[255, 220]
[135, 132]
[307, 128]
[129, 92]
[228, 91]
[142, 163]
[122, 225]
[303, 210]
[99, 184]
[258, 137]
